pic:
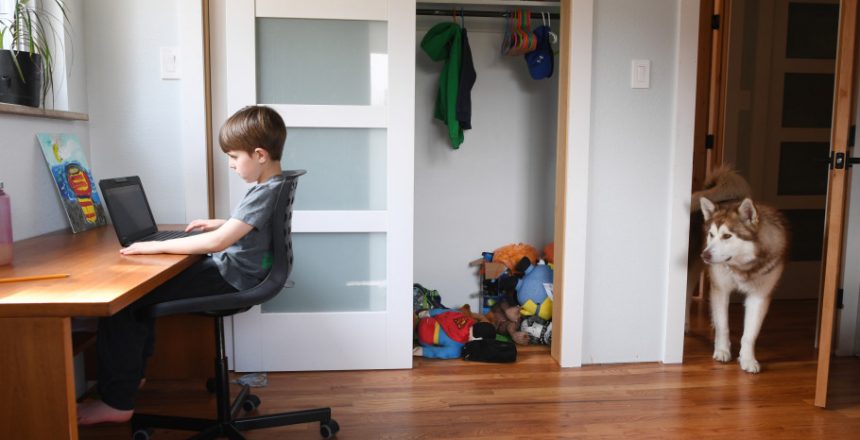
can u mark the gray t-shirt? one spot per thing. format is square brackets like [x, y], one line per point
[247, 262]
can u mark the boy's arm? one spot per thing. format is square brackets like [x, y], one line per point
[214, 241]
[205, 225]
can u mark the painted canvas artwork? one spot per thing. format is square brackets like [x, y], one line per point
[74, 181]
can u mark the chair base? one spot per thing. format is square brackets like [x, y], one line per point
[232, 428]
[228, 424]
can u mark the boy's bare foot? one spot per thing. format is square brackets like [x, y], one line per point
[141, 383]
[91, 412]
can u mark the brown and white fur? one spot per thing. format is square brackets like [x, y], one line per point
[746, 248]
[724, 186]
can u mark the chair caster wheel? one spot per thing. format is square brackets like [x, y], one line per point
[142, 434]
[329, 429]
[251, 403]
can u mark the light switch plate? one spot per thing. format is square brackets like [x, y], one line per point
[170, 66]
[640, 74]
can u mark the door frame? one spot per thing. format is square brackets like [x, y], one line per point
[573, 138]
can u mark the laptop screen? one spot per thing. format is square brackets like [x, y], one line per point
[128, 208]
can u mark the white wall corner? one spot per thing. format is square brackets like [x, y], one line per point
[680, 180]
[579, 64]
[193, 111]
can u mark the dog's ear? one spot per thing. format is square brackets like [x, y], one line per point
[708, 208]
[748, 212]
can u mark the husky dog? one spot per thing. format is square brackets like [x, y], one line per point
[723, 187]
[746, 249]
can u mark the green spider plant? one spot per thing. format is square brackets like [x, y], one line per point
[33, 29]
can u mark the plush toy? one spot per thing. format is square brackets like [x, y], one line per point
[511, 254]
[538, 330]
[467, 310]
[534, 291]
[506, 319]
[548, 252]
[443, 332]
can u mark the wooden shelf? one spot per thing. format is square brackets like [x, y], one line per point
[22, 110]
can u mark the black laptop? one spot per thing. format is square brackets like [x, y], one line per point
[129, 211]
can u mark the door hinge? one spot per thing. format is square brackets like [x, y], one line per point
[839, 294]
[851, 132]
[709, 142]
[715, 21]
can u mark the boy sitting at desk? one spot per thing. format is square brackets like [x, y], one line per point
[253, 139]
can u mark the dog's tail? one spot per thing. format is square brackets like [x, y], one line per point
[724, 184]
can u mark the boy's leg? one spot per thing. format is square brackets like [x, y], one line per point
[126, 339]
[201, 279]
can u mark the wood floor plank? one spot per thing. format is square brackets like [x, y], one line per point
[535, 399]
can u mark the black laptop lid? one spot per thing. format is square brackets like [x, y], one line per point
[128, 208]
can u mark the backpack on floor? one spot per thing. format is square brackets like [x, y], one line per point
[489, 350]
[425, 299]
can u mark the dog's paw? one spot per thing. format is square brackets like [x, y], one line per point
[750, 365]
[722, 355]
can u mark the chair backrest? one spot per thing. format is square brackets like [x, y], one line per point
[275, 281]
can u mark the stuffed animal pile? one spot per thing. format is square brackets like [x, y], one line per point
[525, 314]
[522, 283]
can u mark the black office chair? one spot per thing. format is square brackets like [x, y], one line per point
[218, 306]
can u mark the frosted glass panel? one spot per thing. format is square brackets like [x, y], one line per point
[335, 273]
[346, 167]
[323, 62]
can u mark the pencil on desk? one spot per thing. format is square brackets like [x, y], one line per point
[33, 278]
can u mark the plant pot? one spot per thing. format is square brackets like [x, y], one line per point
[12, 89]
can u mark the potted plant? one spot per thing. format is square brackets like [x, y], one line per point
[27, 63]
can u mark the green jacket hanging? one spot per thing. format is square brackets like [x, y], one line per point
[443, 42]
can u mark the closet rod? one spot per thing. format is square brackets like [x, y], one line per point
[467, 13]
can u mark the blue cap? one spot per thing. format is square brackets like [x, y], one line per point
[540, 60]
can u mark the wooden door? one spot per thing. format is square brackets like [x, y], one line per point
[843, 107]
[792, 171]
[710, 75]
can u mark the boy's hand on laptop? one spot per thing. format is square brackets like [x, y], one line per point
[142, 247]
[204, 225]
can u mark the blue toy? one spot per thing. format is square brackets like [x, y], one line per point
[534, 291]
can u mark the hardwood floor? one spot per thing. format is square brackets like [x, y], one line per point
[535, 399]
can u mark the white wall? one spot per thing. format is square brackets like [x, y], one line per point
[136, 117]
[498, 188]
[631, 184]
[36, 206]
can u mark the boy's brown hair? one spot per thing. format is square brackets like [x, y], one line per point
[255, 126]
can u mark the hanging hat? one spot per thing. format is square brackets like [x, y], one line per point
[540, 61]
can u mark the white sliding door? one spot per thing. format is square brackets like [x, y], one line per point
[342, 75]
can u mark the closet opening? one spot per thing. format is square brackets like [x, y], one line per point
[498, 186]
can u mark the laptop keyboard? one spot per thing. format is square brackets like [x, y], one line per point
[167, 235]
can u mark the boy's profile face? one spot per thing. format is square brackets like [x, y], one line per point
[248, 166]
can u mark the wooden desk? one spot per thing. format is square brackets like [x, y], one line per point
[37, 396]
